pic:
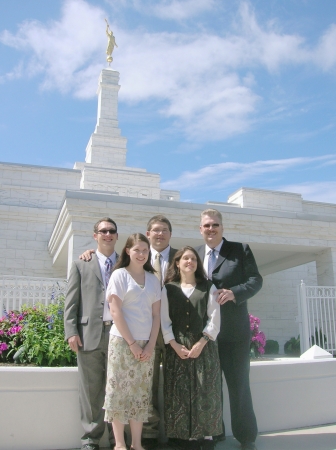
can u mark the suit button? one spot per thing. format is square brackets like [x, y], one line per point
[102, 303]
[187, 326]
[100, 317]
[187, 314]
[187, 301]
[103, 289]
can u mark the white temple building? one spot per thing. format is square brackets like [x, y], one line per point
[47, 216]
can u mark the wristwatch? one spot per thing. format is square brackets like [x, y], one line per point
[206, 337]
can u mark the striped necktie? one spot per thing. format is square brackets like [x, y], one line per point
[157, 267]
[211, 262]
[108, 270]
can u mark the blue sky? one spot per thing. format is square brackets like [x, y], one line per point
[215, 94]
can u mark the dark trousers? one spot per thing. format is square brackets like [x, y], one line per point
[235, 363]
[92, 369]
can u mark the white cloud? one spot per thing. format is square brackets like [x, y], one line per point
[202, 80]
[215, 177]
[60, 51]
[314, 191]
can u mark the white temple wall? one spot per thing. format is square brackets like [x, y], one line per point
[30, 198]
[276, 304]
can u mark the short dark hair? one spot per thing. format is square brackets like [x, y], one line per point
[124, 258]
[104, 219]
[156, 219]
[173, 272]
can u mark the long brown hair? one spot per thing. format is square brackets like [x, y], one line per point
[173, 272]
[124, 259]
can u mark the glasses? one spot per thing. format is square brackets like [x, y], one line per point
[211, 225]
[110, 231]
[164, 231]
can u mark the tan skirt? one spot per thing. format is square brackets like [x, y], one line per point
[129, 383]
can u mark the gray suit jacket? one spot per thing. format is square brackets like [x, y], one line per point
[84, 303]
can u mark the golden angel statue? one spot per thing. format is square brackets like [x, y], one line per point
[110, 43]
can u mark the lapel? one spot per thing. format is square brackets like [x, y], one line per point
[95, 267]
[201, 252]
[223, 253]
[172, 252]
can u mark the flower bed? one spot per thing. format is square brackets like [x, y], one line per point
[35, 335]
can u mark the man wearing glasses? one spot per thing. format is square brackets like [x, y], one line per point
[232, 268]
[159, 231]
[87, 322]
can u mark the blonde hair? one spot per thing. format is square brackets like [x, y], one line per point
[212, 212]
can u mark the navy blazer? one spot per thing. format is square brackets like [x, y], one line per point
[236, 270]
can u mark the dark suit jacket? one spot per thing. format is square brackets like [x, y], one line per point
[84, 303]
[237, 270]
[172, 252]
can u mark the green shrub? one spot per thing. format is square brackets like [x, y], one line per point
[272, 347]
[292, 347]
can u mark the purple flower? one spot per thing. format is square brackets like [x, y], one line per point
[3, 347]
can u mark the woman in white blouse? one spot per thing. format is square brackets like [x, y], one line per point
[134, 294]
[190, 320]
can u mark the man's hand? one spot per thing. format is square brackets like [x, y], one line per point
[86, 256]
[74, 342]
[224, 295]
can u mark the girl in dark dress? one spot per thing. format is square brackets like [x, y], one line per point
[190, 320]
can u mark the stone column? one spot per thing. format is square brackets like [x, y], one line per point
[326, 267]
[106, 147]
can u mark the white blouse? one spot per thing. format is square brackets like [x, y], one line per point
[136, 301]
[212, 326]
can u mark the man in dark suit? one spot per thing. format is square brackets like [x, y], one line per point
[159, 231]
[87, 322]
[232, 268]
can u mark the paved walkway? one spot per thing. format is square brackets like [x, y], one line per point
[314, 438]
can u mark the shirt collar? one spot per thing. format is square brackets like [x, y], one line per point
[102, 258]
[217, 248]
[164, 253]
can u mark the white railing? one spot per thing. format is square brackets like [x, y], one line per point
[17, 291]
[317, 317]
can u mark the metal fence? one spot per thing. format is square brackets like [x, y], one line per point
[317, 317]
[17, 291]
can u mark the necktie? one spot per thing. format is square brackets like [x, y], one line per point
[157, 267]
[211, 262]
[108, 270]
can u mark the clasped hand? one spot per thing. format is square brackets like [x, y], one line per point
[141, 354]
[194, 352]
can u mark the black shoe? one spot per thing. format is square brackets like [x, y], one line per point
[149, 443]
[248, 446]
[208, 444]
[90, 447]
[221, 437]
[176, 444]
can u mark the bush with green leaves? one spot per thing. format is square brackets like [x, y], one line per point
[292, 347]
[271, 347]
[42, 336]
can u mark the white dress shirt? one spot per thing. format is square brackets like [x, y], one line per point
[207, 253]
[212, 326]
[102, 259]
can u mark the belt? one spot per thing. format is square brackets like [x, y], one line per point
[107, 323]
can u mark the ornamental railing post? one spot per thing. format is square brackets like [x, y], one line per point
[304, 325]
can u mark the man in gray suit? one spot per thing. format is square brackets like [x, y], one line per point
[87, 322]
